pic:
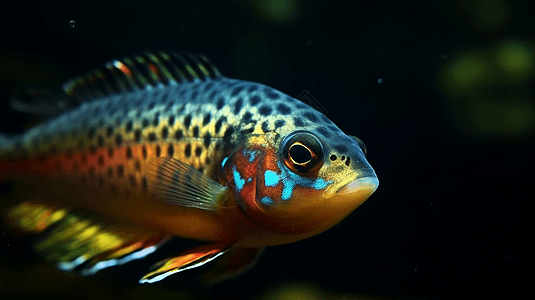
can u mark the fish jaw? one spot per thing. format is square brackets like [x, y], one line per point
[323, 216]
[354, 194]
[359, 189]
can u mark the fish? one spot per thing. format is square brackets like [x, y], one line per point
[161, 145]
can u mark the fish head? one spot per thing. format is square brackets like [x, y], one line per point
[300, 181]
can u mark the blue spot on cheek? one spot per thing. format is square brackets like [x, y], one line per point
[320, 184]
[271, 178]
[252, 154]
[223, 162]
[287, 190]
[238, 181]
[266, 200]
[290, 179]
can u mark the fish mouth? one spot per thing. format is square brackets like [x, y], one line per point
[366, 180]
[368, 184]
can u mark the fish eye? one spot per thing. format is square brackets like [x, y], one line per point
[299, 153]
[302, 152]
[361, 144]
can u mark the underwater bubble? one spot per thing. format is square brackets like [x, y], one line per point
[72, 23]
[380, 80]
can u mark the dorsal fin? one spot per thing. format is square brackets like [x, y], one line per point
[144, 71]
[139, 72]
[33, 105]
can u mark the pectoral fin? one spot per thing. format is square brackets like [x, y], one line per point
[181, 184]
[188, 259]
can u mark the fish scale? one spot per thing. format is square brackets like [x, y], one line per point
[229, 106]
[236, 163]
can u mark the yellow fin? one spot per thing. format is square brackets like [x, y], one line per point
[33, 217]
[86, 242]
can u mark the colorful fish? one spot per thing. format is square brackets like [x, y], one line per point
[162, 145]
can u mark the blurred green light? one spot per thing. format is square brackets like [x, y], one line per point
[295, 290]
[489, 90]
[465, 73]
[491, 15]
[278, 10]
[515, 58]
[503, 119]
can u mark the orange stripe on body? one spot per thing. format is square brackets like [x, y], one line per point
[77, 163]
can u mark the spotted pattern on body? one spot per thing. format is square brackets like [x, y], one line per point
[241, 163]
[200, 132]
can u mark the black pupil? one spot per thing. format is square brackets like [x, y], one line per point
[300, 154]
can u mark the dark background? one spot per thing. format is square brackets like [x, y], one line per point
[449, 131]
